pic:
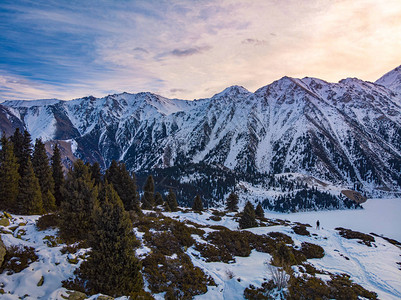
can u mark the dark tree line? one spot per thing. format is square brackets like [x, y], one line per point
[304, 199]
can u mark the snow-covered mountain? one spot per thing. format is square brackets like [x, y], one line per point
[346, 133]
[392, 80]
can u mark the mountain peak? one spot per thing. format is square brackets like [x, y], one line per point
[391, 80]
[232, 91]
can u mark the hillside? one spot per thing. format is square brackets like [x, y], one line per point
[373, 265]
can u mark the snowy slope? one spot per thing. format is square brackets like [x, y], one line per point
[373, 267]
[392, 80]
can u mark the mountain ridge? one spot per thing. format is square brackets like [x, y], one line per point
[347, 132]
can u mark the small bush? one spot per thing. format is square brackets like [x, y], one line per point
[303, 224]
[164, 242]
[308, 268]
[179, 229]
[219, 213]
[339, 287]
[267, 291]
[178, 277]
[283, 255]
[303, 287]
[218, 227]
[301, 230]
[47, 222]
[281, 237]
[18, 258]
[391, 241]
[52, 241]
[73, 248]
[212, 253]
[312, 250]
[277, 222]
[196, 225]
[362, 237]
[262, 243]
[215, 218]
[236, 242]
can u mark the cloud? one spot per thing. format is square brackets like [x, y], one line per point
[139, 49]
[189, 51]
[68, 49]
[173, 91]
[254, 42]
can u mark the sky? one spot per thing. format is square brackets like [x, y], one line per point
[189, 49]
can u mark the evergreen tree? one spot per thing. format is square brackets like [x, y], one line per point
[29, 200]
[124, 184]
[79, 196]
[58, 175]
[23, 148]
[18, 140]
[113, 174]
[9, 176]
[232, 202]
[197, 205]
[128, 194]
[148, 198]
[96, 174]
[112, 245]
[259, 211]
[166, 206]
[158, 199]
[248, 218]
[44, 174]
[171, 201]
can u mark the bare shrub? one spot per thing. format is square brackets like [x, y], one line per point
[279, 275]
[230, 274]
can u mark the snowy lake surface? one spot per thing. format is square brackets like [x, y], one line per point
[380, 216]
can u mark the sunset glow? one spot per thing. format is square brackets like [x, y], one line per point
[189, 49]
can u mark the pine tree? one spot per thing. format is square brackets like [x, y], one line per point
[171, 201]
[158, 199]
[113, 174]
[18, 140]
[9, 176]
[129, 194]
[79, 196]
[112, 245]
[197, 205]
[259, 211]
[148, 198]
[29, 200]
[43, 172]
[232, 202]
[22, 147]
[166, 207]
[248, 218]
[96, 174]
[58, 175]
[124, 184]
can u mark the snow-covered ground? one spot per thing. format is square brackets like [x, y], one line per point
[373, 267]
[380, 216]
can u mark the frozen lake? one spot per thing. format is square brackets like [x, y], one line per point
[381, 216]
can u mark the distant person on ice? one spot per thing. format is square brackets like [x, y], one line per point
[317, 224]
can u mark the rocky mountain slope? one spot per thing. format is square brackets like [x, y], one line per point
[347, 133]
